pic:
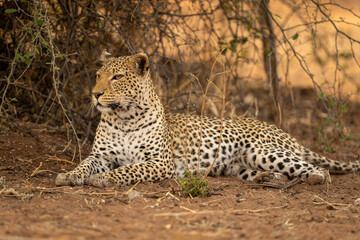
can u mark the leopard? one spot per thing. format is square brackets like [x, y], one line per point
[138, 141]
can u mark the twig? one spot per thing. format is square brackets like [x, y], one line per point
[168, 194]
[236, 211]
[213, 201]
[333, 205]
[88, 205]
[36, 170]
[127, 193]
[160, 194]
[55, 158]
[279, 186]
[187, 209]
[332, 22]
[100, 193]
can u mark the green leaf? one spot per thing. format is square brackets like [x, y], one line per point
[84, 19]
[329, 120]
[48, 63]
[10, 10]
[28, 54]
[100, 24]
[348, 137]
[16, 56]
[321, 96]
[39, 22]
[45, 43]
[36, 50]
[345, 108]
[27, 61]
[22, 58]
[249, 27]
[295, 36]
[331, 102]
[57, 68]
[267, 51]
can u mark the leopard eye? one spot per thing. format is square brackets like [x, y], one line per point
[117, 77]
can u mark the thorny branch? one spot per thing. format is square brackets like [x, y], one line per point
[49, 53]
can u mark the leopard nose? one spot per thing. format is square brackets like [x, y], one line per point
[97, 94]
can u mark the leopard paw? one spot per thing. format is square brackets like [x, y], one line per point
[264, 177]
[100, 181]
[69, 179]
[315, 179]
[320, 176]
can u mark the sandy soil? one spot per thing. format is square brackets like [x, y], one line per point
[31, 206]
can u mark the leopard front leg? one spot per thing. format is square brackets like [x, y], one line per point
[153, 170]
[92, 164]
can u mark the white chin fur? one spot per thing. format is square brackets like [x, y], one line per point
[103, 109]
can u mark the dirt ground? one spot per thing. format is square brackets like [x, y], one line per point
[31, 206]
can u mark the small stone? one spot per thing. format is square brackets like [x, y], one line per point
[357, 202]
[240, 200]
[238, 195]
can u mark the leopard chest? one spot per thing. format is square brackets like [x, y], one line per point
[128, 145]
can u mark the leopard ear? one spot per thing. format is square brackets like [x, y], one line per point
[140, 63]
[105, 56]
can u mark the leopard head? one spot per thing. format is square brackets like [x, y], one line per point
[122, 82]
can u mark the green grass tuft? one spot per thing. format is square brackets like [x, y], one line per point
[193, 185]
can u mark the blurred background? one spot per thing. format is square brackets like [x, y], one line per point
[292, 63]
